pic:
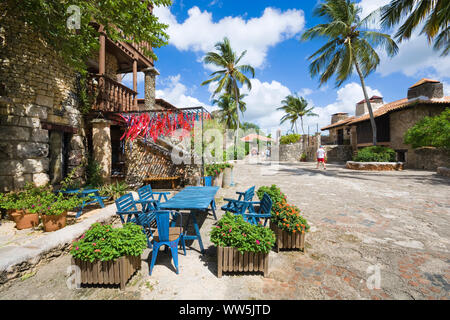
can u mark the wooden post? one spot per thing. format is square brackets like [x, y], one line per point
[219, 261]
[134, 102]
[102, 65]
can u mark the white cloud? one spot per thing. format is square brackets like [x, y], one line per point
[347, 97]
[178, 94]
[128, 79]
[199, 33]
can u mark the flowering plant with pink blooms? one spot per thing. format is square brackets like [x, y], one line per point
[234, 231]
[105, 243]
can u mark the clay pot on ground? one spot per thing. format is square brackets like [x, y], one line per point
[54, 223]
[218, 180]
[227, 173]
[24, 220]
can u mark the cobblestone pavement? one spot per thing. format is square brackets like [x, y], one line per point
[392, 224]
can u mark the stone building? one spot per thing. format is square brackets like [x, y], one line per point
[425, 98]
[43, 134]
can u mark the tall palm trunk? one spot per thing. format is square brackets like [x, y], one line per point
[303, 129]
[238, 121]
[369, 106]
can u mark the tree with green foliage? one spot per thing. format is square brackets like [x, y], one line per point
[126, 20]
[431, 132]
[296, 108]
[230, 73]
[350, 46]
[434, 15]
[227, 107]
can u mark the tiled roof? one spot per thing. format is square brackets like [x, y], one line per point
[371, 99]
[338, 124]
[424, 80]
[398, 105]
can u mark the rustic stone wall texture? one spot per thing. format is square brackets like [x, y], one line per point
[36, 86]
[430, 158]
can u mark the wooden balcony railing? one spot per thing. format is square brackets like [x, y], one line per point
[113, 96]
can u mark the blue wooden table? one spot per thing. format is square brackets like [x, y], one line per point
[92, 194]
[195, 200]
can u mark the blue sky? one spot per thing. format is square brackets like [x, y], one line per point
[270, 31]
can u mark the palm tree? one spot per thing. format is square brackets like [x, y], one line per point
[349, 46]
[296, 107]
[227, 106]
[231, 72]
[436, 15]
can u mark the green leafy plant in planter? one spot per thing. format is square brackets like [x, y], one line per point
[375, 154]
[114, 191]
[105, 243]
[287, 217]
[303, 157]
[214, 170]
[233, 231]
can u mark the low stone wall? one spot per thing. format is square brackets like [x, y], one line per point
[375, 166]
[291, 152]
[339, 153]
[429, 158]
[443, 171]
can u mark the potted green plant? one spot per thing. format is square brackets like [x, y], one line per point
[18, 205]
[53, 208]
[107, 255]
[113, 191]
[303, 157]
[241, 246]
[287, 223]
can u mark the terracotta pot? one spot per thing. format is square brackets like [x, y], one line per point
[54, 223]
[24, 220]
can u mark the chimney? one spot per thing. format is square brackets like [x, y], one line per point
[362, 109]
[426, 89]
[338, 117]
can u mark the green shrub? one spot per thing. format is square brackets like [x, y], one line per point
[94, 173]
[431, 132]
[290, 139]
[375, 154]
[114, 191]
[103, 242]
[234, 231]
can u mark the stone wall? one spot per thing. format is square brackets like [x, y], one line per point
[336, 153]
[144, 160]
[291, 152]
[36, 87]
[429, 158]
[401, 121]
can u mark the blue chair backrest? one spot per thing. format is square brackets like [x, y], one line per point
[163, 225]
[266, 204]
[126, 203]
[249, 194]
[145, 193]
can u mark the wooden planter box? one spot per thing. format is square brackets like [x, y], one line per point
[287, 240]
[116, 272]
[231, 260]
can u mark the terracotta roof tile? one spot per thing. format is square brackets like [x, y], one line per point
[398, 105]
[338, 124]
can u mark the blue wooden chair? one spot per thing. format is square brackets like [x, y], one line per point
[236, 206]
[168, 236]
[129, 213]
[146, 193]
[261, 212]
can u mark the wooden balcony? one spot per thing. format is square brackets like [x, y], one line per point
[113, 96]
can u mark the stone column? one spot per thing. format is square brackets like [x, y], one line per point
[101, 140]
[150, 83]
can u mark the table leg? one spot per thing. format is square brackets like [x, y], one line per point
[197, 231]
[213, 208]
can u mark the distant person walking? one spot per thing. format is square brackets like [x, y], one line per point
[321, 154]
